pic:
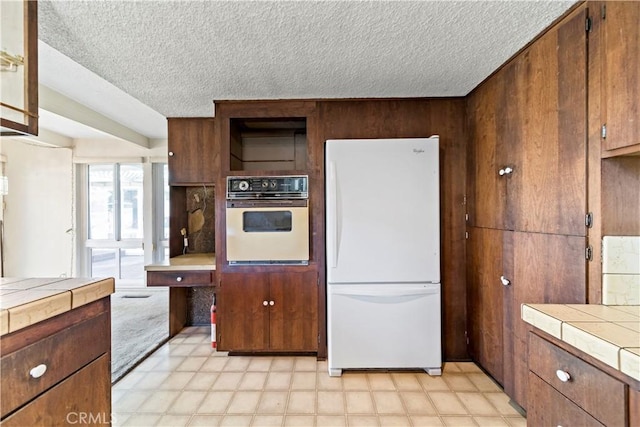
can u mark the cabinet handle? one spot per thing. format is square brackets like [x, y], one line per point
[265, 303]
[170, 153]
[271, 302]
[178, 279]
[38, 371]
[505, 281]
[505, 171]
[563, 375]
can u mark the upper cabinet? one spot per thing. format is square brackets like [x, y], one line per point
[19, 67]
[528, 132]
[619, 32]
[193, 152]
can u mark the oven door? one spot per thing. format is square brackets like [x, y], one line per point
[267, 232]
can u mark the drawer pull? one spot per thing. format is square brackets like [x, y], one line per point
[38, 371]
[178, 279]
[265, 303]
[563, 375]
[271, 303]
[505, 281]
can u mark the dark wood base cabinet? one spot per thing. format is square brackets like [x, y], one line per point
[58, 372]
[268, 312]
[565, 390]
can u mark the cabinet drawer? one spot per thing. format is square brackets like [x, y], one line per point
[594, 391]
[62, 353]
[180, 278]
[82, 399]
[547, 407]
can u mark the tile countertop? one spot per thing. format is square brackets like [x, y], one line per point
[24, 301]
[201, 261]
[610, 334]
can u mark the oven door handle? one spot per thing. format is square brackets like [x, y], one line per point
[333, 183]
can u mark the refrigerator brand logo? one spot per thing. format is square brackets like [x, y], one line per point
[418, 150]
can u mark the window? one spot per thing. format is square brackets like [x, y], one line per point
[115, 221]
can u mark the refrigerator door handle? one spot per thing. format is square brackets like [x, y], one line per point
[333, 182]
[386, 292]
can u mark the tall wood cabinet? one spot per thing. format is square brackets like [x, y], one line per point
[527, 196]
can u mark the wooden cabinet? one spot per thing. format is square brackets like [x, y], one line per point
[268, 312]
[617, 24]
[59, 369]
[193, 152]
[566, 390]
[528, 133]
[485, 295]
[527, 200]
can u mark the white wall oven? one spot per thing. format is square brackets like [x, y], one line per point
[267, 220]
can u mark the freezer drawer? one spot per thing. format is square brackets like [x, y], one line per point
[384, 326]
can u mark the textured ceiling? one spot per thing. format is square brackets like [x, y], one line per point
[177, 57]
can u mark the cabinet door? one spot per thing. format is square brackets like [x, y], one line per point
[485, 298]
[487, 189]
[243, 312]
[547, 188]
[193, 153]
[541, 268]
[293, 321]
[621, 73]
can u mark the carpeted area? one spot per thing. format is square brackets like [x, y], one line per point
[139, 324]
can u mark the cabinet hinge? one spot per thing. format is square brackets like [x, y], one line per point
[318, 338]
[588, 253]
[603, 11]
[466, 217]
[603, 131]
[466, 335]
[587, 25]
[588, 220]
[466, 235]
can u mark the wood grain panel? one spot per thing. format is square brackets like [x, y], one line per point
[550, 408]
[549, 178]
[547, 268]
[486, 190]
[242, 317]
[621, 196]
[485, 299]
[293, 319]
[621, 73]
[407, 118]
[195, 152]
[594, 391]
[62, 354]
[86, 393]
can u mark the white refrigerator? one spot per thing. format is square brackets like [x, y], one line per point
[383, 254]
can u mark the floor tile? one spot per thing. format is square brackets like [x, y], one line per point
[325, 382]
[491, 421]
[253, 381]
[359, 402]
[355, 381]
[302, 402]
[278, 381]
[425, 421]
[187, 402]
[202, 381]
[304, 381]
[138, 420]
[458, 421]
[381, 381]
[159, 401]
[501, 402]
[236, 421]
[282, 364]
[192, 364]
[205, 420]
[214, 364]
[174, 420]
[447, 403]
[237, 364]
[273, 402]
[394, 420]
[406, 381]
[267, 420]
[330, 402]
[215, 402]
[299, 420]
[331, 421]
[227, 381]
[476, 403]
[430, 383]
[176, 381]
[260, 364]
[458, 382]
[244, 402]
[305, 364]
[417, 403]
[362, 421]
[388, 402]
[483, 382]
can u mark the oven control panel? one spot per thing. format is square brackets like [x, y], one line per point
[267, 187]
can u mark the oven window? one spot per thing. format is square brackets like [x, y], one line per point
[261, 221]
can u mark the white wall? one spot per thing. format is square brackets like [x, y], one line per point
[38, 210]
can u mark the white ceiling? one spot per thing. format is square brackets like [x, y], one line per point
[137, 62]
